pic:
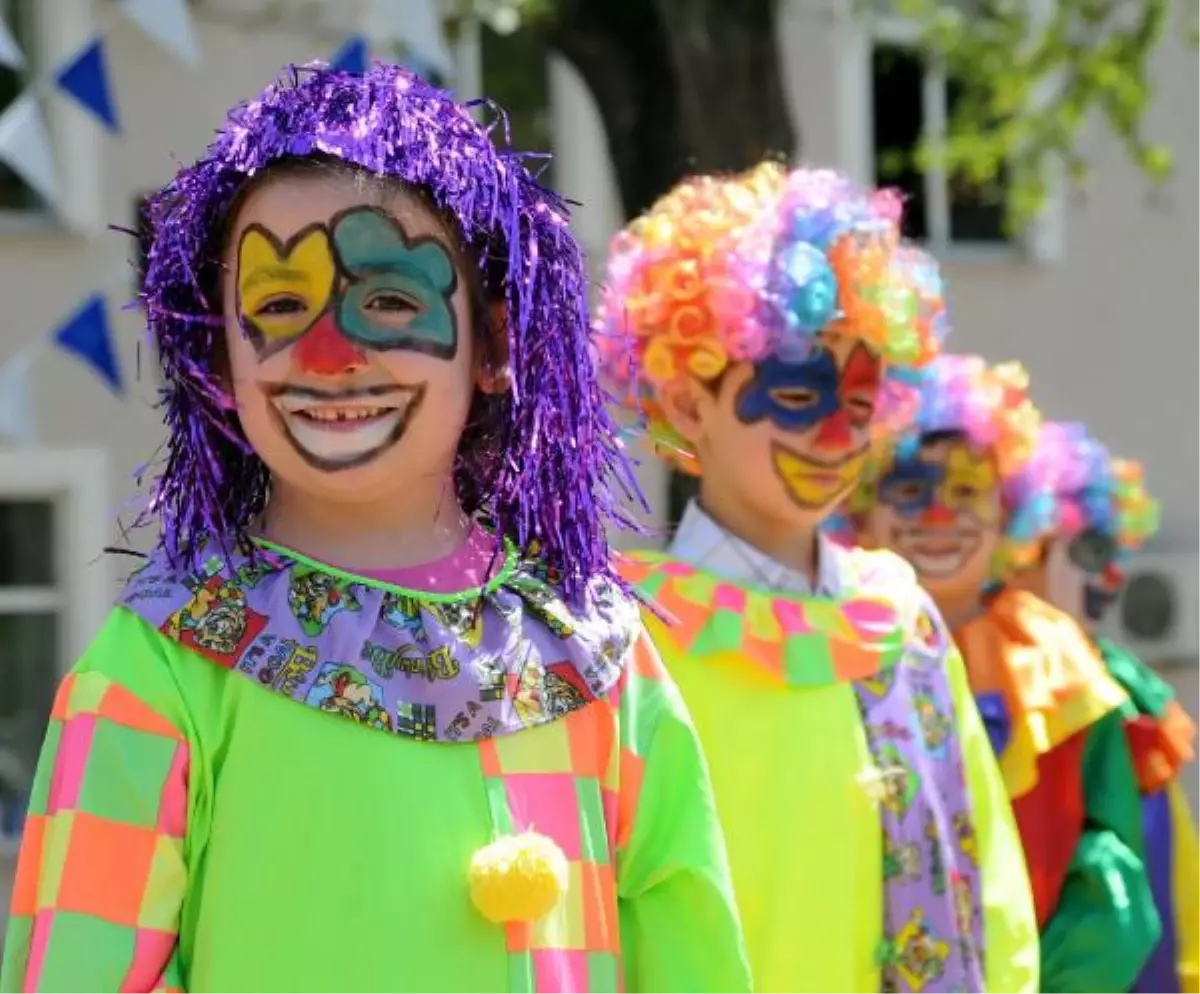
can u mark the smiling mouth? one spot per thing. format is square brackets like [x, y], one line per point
[940, 553]
[335, 430]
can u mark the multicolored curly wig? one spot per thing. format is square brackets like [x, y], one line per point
[513, 465]
[728, 269]
[990, 406]
[1094, 490]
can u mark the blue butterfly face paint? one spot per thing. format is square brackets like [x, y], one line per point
[399, 290]
[822, 407]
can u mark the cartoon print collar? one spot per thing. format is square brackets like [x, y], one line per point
[435, 667]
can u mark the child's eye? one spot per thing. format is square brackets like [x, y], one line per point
[794, 398]
[281, 305]
[391, 302]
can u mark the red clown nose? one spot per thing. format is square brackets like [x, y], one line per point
[325, 351]
[937, 514]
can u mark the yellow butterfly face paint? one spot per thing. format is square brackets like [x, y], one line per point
[283, 288]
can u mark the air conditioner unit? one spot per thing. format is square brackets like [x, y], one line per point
[1157, 616]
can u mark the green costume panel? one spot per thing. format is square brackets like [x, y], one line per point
[193, 829]
[1104, 924]
[798, 788]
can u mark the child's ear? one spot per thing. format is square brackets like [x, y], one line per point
[493, 374]
[681, 400]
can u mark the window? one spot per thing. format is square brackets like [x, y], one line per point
[30, 607]
[54, 594]
[912, 99]
[18, 15]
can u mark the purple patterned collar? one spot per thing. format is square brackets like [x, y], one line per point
[447, 667]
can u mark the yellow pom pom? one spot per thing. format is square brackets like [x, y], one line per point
[518, 878]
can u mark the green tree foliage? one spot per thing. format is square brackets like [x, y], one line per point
[685, 85]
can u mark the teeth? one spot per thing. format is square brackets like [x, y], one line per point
[342, 413]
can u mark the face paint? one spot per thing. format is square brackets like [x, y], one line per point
[283, 287]
[800, 395]
[334, 291]
[944, 504]
[347, 428]
[824, 404]
[395, 293]
[400, 290]
[1094, 554]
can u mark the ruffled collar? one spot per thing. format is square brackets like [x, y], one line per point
[1028, 658]
[476, 664]
[801, 640]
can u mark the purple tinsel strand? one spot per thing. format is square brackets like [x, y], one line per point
[545, 469]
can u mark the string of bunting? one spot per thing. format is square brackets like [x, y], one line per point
[25, 147]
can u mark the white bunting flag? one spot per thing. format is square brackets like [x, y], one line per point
[10, 52]
[169, 22]
[25, 145]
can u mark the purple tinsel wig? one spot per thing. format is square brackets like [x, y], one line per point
[546, 463]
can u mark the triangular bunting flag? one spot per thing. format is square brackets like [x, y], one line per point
[169, 22]
[88, 335]
[10, 52]
[16, 399]
[86, 79]
[352, 56]
[25, 146]
[418, 25]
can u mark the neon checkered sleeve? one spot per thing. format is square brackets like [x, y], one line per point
[101, 873]
[679, 922]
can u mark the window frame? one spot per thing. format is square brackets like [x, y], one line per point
[858, 33]
[75, 481]
[75, 484]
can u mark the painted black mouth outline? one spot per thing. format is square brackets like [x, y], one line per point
[417, 393]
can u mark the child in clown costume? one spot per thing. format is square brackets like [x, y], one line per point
[1103, 515]
[347, 730]
[765, 322]
[959, 495]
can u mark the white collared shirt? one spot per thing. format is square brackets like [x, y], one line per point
[700, 541]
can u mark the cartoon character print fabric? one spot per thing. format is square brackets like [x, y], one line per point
[933, 929]
[431, 667]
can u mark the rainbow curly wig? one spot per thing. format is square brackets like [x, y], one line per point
[738, 268]
[1093, 489]
[990, 406]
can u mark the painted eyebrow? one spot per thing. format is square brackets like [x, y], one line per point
[279, 274]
